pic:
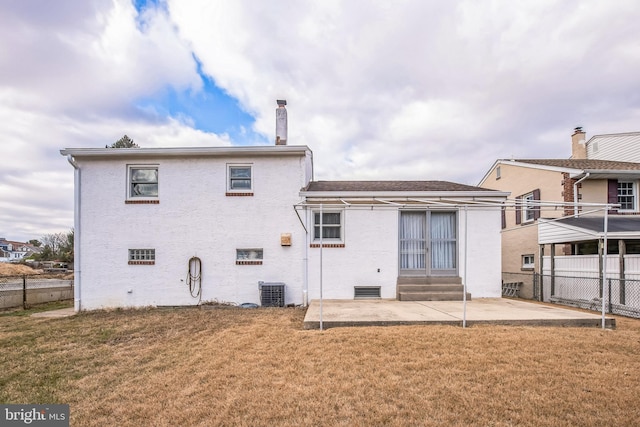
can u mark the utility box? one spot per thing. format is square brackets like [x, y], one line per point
[271, 294]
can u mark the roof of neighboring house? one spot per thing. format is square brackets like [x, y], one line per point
[581, 164]
[615, 224]
[582, 229]
[577, 168]
[389, 186]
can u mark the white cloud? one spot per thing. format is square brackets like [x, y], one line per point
[383, 90]
[70, 75]
[409, 89]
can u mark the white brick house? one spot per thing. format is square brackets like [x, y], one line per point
[252, 214]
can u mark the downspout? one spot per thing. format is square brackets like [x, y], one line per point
[575, 194]
[77, 273]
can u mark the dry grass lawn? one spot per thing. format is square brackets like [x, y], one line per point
[226, 366]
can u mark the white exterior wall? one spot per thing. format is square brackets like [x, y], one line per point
[371, 243]
[194, 218]
[484, 253]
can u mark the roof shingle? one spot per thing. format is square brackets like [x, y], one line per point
[583, 164]
[389, 186]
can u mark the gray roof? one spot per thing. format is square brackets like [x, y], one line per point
[583, 164]
[616, 224]
[389, 186]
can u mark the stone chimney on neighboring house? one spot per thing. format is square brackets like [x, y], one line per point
[281, 122]
[578, 144]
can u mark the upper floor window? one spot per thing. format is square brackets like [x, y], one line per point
[143, 182]
[331, 225]
[626, 196]
[528, 208]
[498, 173]
[240, 179]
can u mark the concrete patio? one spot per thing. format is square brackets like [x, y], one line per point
[497, 311]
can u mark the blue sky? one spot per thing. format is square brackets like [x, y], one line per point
[413, 89]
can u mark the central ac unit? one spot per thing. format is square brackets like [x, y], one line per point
[271, 294]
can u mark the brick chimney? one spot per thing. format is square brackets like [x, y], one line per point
[578, 144]
[281, 122]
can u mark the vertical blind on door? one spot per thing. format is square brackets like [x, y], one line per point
[443, 240]
[412, 240]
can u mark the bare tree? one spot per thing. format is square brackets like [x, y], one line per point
[57, 247]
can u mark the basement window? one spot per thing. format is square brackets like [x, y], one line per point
[249, 256]
[142, 256]
[527, 262]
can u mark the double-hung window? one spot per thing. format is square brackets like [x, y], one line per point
[143, 182]
[528, 207]
[331, 226]
[240, 179]
[626, 196]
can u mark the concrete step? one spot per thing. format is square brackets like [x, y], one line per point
[431, 288]
[429, 280]
[432, 296]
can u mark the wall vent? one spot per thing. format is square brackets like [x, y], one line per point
[271, 294]
[366, 292]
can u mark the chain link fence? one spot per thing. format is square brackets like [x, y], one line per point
[622, 296]
[24, 291]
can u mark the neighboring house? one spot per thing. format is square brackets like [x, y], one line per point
[182, 226]
[11, 251]
[567, 182]
[621, 147]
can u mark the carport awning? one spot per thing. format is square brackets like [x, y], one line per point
[580, 229]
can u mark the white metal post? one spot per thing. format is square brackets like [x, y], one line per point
[604, 263]
[466, 258]
[321, 232]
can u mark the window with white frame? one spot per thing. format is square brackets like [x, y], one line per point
[240, 178]
[626, 196]
[527, 261]
[142, 256]
[498, 174]
[528, 207]
[331, 225]
[143, 181]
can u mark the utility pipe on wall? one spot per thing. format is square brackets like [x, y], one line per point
[77, 273]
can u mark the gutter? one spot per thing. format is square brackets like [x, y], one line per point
[575, 193]
[77, 273]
